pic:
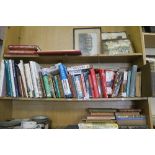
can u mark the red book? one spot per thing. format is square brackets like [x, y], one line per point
[94, 82]
[103, 82]
[22, 52]
[91, 85]
[60, 52]
[24, 47]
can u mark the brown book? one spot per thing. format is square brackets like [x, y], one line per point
[100, 110]
[102, 113]
[103, 121]
[100, 117]
[24, 47]
[138, 84]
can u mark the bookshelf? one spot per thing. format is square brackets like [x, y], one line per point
[63, 112]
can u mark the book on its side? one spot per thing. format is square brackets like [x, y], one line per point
[2, 79]
[24, 47]
[21, 68]
[21, 52]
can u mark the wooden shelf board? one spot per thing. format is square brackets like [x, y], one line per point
[148, 34]
[74, 99]
[77, 59]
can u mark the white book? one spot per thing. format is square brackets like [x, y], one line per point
[29, 80]
[34, 78]
[12, 78]
[21, 67]
[37, 69]
[2, 79]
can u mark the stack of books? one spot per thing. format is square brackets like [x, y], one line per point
[131, 119]
[99, 119]
[19, 79]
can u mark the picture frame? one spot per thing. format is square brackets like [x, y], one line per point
[88, 40]
[120, 46]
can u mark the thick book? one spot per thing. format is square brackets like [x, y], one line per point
[22, 71]
[132, 113]
[105, 117]
[102, 113]
[101, 110]
[103, 83]
[130, 110]
[30, 86]
[60, 52]
[133, 81]
[24, 47]
[20, 84]
[64, 80]
[8, 79]
[50, 81]
[60, 86]
[94, 82]
[2, 79]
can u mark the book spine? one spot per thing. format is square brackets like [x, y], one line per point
[42, 84]
[64, 80]
[46, 83]
[57, 91]
[15, 79]
[94, 82]
[91, 86]
[29, 80]
[124, 84]
[34, 79]
[21, 67]
[85, 95]
[88, 91]
[138, 84]
[23, 47]
[128, 84]
[12, 78]
[2, 79]
[80, 67]
[51, 85]
[103, 83]
[60, 86]
[37, 70]
[72, 87]
[133, 81]
[78, 86]
[8, 79]
[23, 52]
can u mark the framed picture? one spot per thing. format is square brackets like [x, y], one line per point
[88, 40]
[121, 46]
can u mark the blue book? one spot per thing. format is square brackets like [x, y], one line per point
[8, 78]
[133, 81]
[128, 84]
[64, 80]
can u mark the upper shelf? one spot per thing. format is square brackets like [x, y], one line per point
[127, 58]
[75, 99]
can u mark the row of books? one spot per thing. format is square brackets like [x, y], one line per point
[114, 118]
[19, 79]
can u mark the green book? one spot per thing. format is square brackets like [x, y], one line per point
[46, 82]
[8, 78]
[55, 79]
